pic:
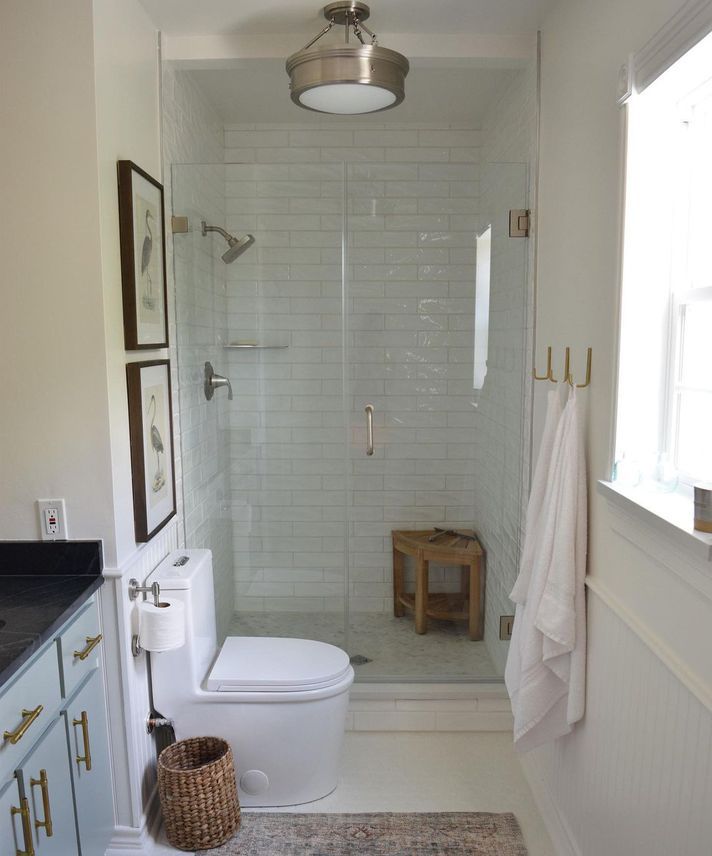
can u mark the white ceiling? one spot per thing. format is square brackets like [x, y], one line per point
[257, 92]
[502, 17]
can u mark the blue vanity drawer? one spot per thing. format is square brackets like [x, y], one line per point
[27, 706]
[80, 648]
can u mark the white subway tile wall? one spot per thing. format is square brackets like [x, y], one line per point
[395, 209]
[409, 201]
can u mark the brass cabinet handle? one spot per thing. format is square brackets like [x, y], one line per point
[86, 757]
[92, 642]
[24, 812]
[44, 785]
[28, 717]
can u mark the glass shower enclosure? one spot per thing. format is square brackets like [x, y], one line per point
[375, 337]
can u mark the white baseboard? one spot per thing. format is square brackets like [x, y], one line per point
[130, 839]
[559, 832]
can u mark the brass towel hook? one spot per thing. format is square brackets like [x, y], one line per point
[568, 376]
[588, 371]
[546, 376]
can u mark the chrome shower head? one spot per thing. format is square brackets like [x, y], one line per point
[236, 246]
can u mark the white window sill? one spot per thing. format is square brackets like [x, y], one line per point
[661, 525]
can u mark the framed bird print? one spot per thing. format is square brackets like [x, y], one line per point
[143, 258]
[151, 434]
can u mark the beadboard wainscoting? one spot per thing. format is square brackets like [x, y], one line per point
[133, 750]
[634, 778]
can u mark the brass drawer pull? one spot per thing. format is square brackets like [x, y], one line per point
[86, 757]
[28, 717]
[92, 642]
[44, 785]
[24, 812]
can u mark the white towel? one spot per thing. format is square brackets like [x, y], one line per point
[537, 494]
[535, 506]
[545, 672]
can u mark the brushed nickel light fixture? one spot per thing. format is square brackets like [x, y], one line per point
[347, 78]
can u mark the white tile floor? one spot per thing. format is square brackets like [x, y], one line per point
[391, 644]
[433, 772]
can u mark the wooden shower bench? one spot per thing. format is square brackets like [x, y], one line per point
[446, 549]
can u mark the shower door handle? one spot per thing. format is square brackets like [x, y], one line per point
[369, 429]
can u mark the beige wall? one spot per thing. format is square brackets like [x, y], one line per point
[583, 46]
[127, 128]
[54, 430]
[80, 90]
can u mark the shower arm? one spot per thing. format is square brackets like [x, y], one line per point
[228, 237]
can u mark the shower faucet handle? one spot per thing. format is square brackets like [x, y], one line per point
[213, 381]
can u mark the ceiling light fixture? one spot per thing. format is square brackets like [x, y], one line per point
[347, 78]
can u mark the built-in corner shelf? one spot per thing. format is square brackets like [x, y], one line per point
[253, 346]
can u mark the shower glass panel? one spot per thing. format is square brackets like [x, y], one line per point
[280, 341]
[445, 454]
[359, 290]
[198, 192]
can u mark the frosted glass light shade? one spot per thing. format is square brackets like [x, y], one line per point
[347, 98]
[347, 79]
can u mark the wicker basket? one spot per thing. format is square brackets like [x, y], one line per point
[196, 784]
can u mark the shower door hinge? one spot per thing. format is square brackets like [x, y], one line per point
[519, 223]
[179, 225]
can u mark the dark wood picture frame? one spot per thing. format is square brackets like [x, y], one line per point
[146, 435]
[142, 328]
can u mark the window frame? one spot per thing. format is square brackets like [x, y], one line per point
[683, 292]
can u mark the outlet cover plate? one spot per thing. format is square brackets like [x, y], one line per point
[52, 515]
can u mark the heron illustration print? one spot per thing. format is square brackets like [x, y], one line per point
[149, 285]
[155, 434]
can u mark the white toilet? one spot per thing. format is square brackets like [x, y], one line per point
[280, 703]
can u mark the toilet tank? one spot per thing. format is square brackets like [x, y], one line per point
[187, 576]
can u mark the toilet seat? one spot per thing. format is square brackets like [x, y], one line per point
[267, 664]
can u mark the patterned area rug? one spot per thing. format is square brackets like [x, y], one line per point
[475, 834]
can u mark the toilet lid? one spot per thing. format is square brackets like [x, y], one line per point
[265, 664]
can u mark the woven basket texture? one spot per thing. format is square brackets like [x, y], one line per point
[198, 792]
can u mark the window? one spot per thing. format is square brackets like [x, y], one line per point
[664, 431]
[482, 301]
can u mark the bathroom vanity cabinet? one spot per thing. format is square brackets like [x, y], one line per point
[55, 776]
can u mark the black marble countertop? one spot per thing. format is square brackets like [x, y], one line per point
[42, 584]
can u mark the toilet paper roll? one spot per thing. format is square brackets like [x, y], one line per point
[162, 627]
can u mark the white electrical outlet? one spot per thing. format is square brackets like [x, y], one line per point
[53, 519]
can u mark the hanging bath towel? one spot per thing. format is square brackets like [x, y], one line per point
[537, 495]
[546, 668]
[535, 507]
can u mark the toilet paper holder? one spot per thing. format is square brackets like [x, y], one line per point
[134, 591]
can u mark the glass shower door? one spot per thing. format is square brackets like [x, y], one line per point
[444, 452]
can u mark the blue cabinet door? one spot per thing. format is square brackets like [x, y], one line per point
[46, 779]
[12, 832]
[88, 737]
